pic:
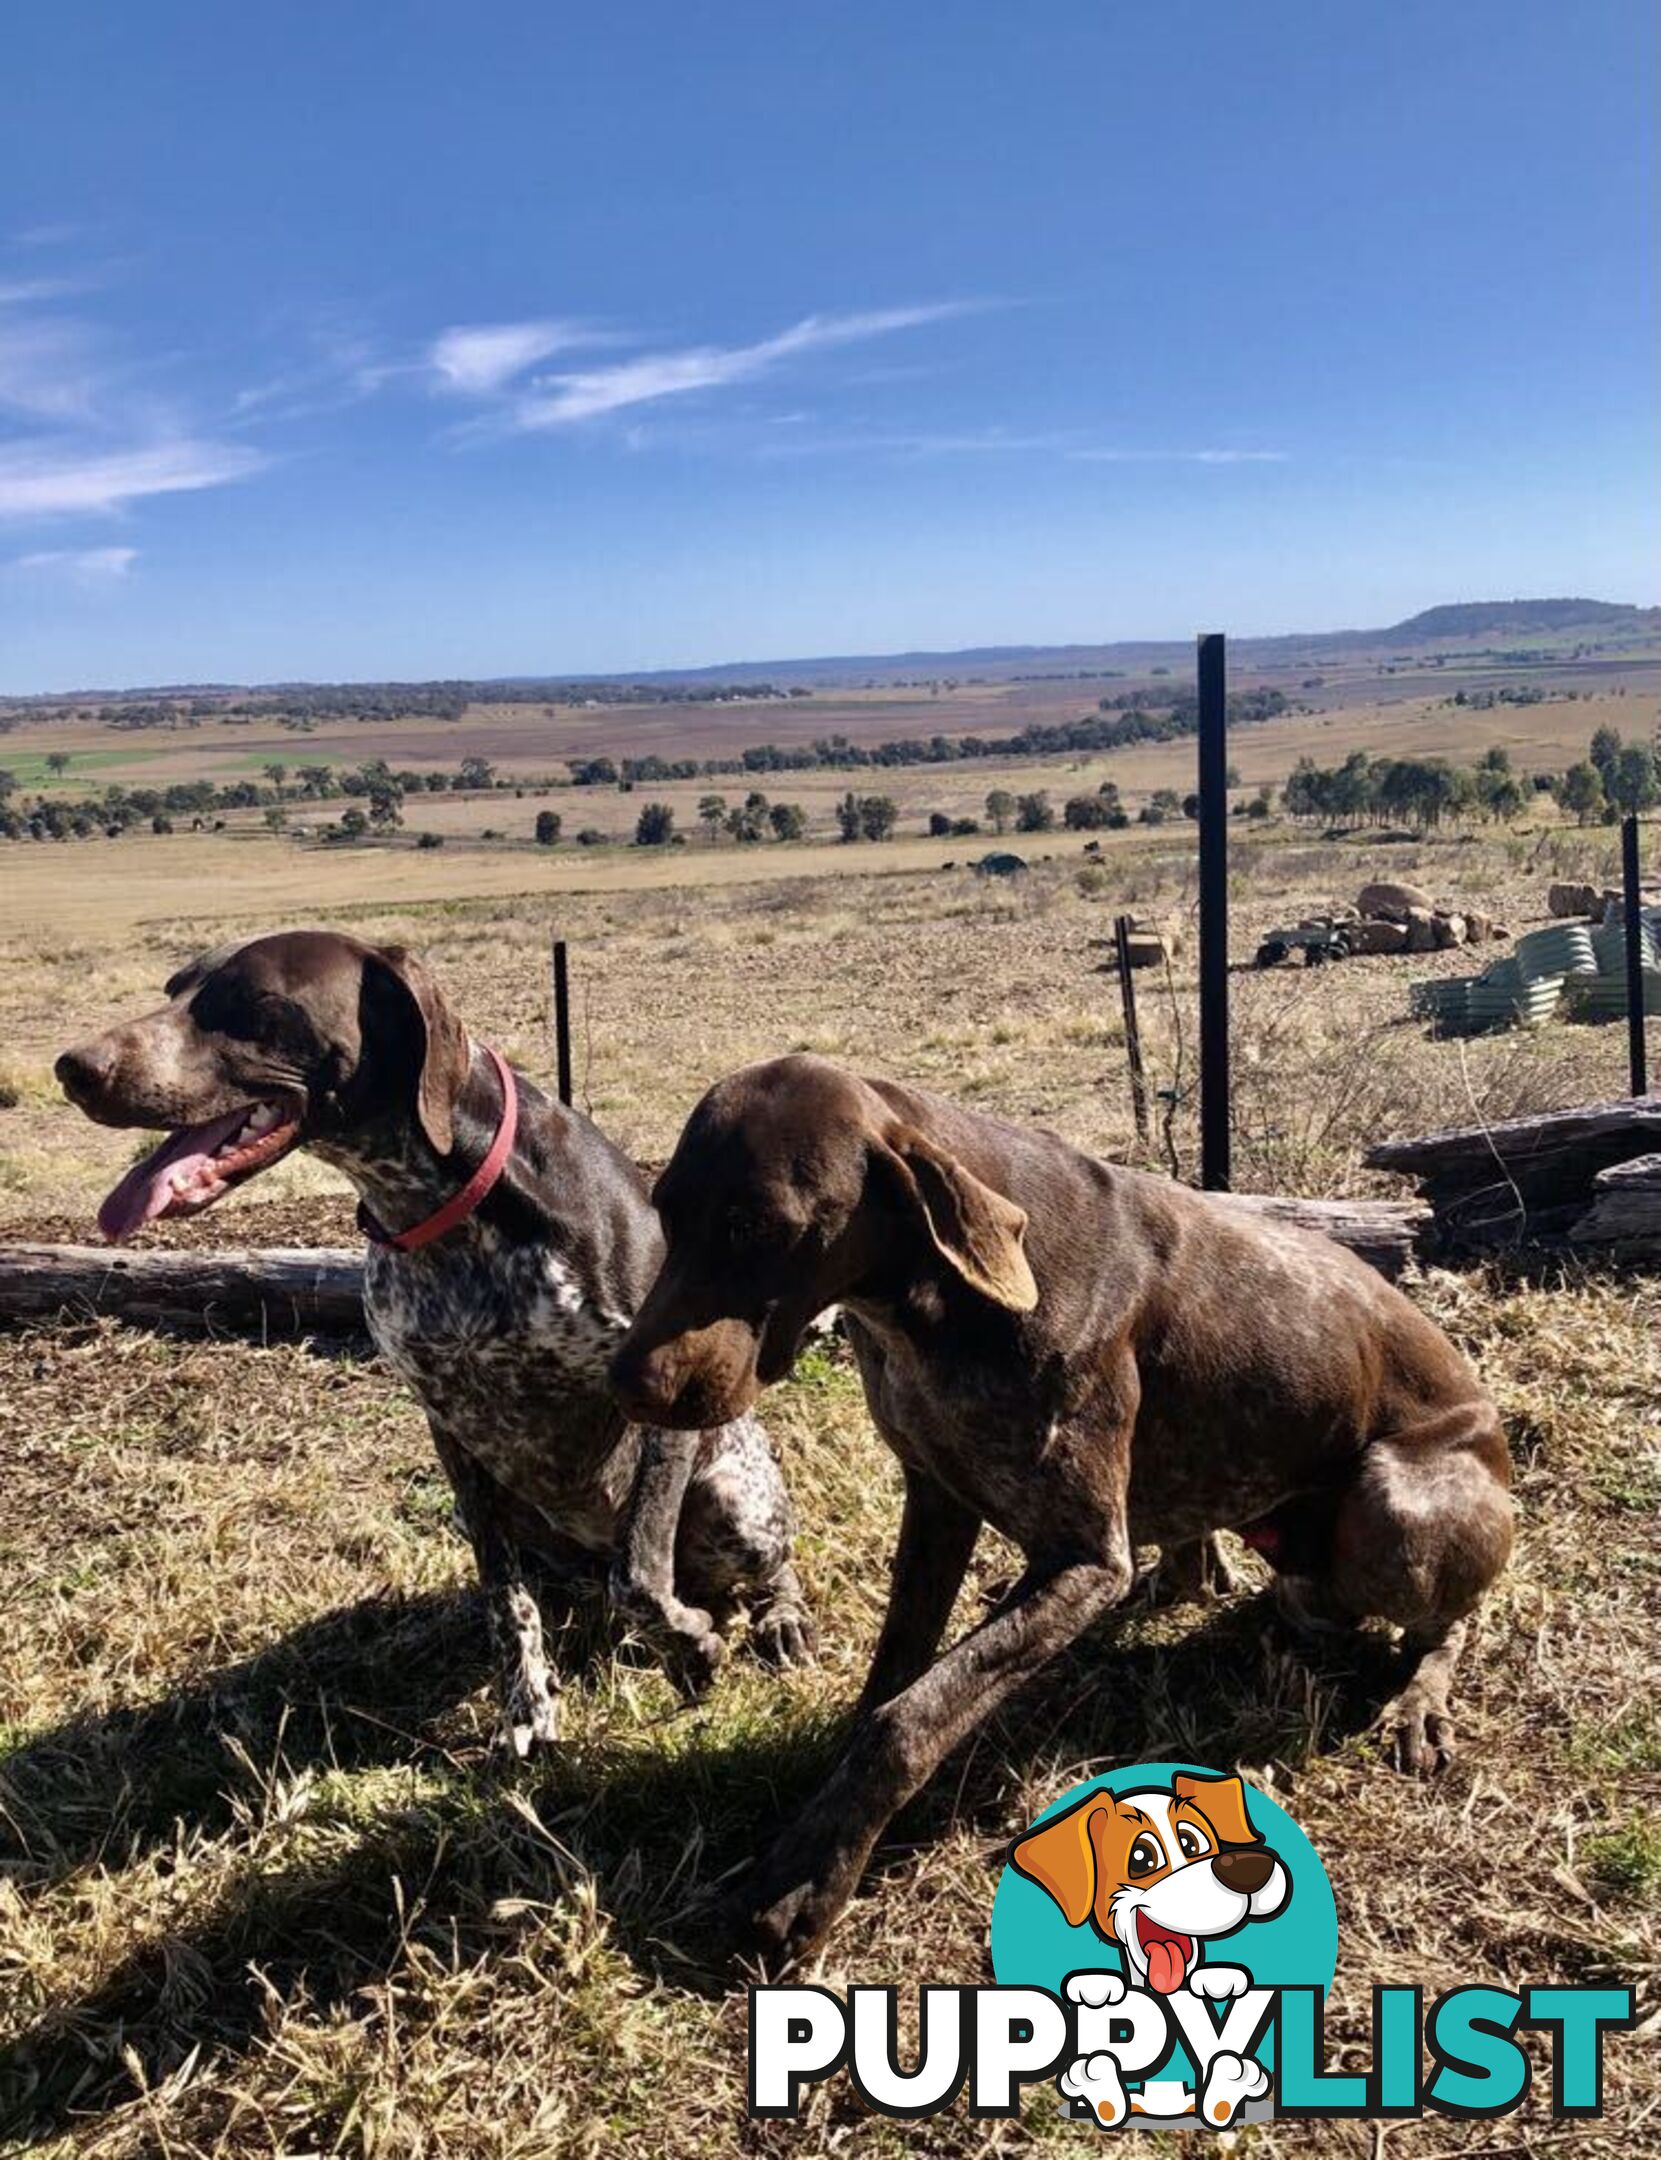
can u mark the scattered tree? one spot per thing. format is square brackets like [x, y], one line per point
[1633, 786]
[748, 821]
[547, 827]
[1000, 808]
[655, 826]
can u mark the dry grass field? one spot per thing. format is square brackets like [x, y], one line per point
[265, 1892]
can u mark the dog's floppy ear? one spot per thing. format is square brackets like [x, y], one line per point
[1060, 1857]
[1222, 1801]
[444, 1047]
[975, 1228]
[198, 970]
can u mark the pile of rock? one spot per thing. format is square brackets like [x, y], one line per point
[1386, 918]
[1404, 918]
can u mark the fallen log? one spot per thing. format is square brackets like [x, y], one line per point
[1555, 1149]
[1387, 1234]
[1563, 1177]
[269, 1291]
[1624, 1219]
[284, 1291]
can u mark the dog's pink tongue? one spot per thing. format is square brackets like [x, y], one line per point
[1167, 1962]
[149, 1185]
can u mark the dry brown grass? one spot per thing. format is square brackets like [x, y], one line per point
[266, 1893]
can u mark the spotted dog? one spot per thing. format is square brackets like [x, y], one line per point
[510, 1245]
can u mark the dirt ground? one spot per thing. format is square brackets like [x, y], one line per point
[263, 1889]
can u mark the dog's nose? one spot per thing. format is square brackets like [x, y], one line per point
[85, 1070]
[1244, 1870]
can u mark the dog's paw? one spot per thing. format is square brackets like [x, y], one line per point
[1097, 1990]
[1420, 1734]
[1230, 2081]
[783, 1933]
[1219, 1983]
[1095, 2083]
[692, 1660]
[529, 1719]
[784, 1636]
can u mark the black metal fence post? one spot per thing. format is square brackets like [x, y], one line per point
[1214, 1119]
[1633, 896]
[562, 1022]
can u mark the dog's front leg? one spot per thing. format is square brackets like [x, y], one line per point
[528, 1688]
[814, 1868]
[937, 1540]
[642, 1583]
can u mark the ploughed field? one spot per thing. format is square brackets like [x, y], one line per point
[264, 1891]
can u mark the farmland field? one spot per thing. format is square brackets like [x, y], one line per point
[265, 1891]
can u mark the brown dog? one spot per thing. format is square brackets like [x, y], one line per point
[1084, 1356]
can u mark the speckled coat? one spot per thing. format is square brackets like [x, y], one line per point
[503, 1328]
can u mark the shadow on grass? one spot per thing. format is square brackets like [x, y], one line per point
[351, 1688]
[650, 1830]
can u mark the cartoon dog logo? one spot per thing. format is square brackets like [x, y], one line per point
[1159, 1873]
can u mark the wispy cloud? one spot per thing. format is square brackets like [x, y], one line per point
[47, 479]
[46, 370]
[86, 566]
[1001, 442]
[47, 236]
[562, 399]
[1179, 457]
[20, 291]
[479, 359]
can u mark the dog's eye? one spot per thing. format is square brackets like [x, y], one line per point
[1190, 1841]
[1146, 1855]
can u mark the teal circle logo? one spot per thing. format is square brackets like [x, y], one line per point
[1172, 1881]
[1156, 1901]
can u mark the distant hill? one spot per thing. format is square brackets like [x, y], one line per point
[1513, 619]
[1608, 624]
[1507, 632]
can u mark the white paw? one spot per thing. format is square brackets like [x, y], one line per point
[1095, 2080]
[1230, 2081]
[1100, 1990]
[1219, 1982]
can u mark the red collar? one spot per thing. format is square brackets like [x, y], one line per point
[472, 1195]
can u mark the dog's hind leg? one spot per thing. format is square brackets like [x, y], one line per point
[736, 1535]
[1418, 1536]
[1193, 1572]
[528, 1688]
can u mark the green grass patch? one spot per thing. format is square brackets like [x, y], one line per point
[1628, 1862]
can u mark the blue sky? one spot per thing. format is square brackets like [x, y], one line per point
[408, 340]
